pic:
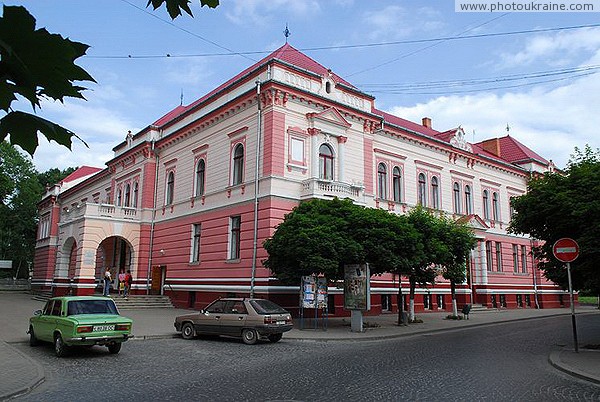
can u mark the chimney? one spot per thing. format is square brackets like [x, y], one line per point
[426, 122]
[492, 146]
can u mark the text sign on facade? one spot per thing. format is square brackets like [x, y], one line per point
[566, 250]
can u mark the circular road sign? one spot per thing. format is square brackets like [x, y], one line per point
[565, 249]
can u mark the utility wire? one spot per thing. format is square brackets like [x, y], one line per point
[231, 52]
[339, 47]
[478, 81]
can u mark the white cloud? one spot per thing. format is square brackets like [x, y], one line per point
[188, 72]
[396, 22]
[549, 121]
[558, 49]
[260, 12]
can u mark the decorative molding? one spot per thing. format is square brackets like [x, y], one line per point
[457, 173]
[489, 182]
[430, 165]
[170, 162]
[201, 148]
[236, 132]
[388, 153]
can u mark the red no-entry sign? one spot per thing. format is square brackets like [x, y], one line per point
[565, 249]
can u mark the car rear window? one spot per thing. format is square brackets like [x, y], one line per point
[91, 307]
[267, 307]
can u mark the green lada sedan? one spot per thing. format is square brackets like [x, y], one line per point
[79, 321]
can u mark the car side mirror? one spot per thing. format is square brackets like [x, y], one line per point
[37, 312]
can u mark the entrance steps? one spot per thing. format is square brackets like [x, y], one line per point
[41, 295]
[478, 307]
[142, 302]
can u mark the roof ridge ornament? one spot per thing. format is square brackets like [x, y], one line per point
[286, 33]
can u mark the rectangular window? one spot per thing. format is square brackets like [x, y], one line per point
[297, 150]
[515, 249]
[489, 255]
[235, 224]
[196, 232]
[523, 259]
[499, 256]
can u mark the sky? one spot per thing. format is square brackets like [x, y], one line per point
[533, 73]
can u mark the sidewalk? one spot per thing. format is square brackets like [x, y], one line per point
[19, 373]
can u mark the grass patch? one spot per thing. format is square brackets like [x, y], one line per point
[588, 300]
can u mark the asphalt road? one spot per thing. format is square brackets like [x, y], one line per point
[507, 362]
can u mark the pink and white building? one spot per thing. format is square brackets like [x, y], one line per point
[176, 204]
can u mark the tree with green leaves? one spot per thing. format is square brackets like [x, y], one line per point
[564, 204]
[20, 192]
[430, 248]
[37, 65]
[313, 240]
[458, 241]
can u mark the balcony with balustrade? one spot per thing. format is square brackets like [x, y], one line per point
[327, 189]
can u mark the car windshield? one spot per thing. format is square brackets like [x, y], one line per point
[267, 307]
[91, 307]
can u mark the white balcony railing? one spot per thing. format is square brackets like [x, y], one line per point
[90, 210]
[325, 188]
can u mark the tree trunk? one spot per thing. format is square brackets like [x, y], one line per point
[411, 306]
[453, 291]
[400, 302]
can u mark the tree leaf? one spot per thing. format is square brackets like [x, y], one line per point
[24, 127]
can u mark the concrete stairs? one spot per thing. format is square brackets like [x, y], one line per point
[41, 295]
[478, 307]
[142, 302]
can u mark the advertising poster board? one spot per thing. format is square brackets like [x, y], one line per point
[308, 292]
[357, 294]
[322, 293]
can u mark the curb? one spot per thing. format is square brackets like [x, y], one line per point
[556, 362]
[40, 377]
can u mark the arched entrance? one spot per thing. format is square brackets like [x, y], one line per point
[116, 253]
[66, 268]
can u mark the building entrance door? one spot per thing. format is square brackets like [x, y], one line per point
[158, 278]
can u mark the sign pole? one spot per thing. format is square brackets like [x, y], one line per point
[574, 324]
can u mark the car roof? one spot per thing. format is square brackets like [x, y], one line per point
[75, 298]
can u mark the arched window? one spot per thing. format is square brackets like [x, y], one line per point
[170, 188]
[325, 162]
[119, 197]
[486, 204]
[495, 207]
[435, 193]
[200, 171]
[238, 164]
[382, 181]
[456, 193]
[127, 194]
[422, 190]
[136, 190]
[468, 200]
[397, 183]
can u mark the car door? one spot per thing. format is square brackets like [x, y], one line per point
[43, 323]
[234, 319]
[209, 321]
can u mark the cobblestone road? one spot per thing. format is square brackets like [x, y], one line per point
[507, 362]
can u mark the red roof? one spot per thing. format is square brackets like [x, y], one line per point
[513, 151]
[287, 54]
[398, 121]
[82, 171]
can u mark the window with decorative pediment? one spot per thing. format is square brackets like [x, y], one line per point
[119, 198]
[127, 194]
[422, 190]
[397, 183]
[136, 191]
[382, 181]
[238, 165]
[486, 204]
[456, 196]
[468, 200]
[170, 190]
[435, 192]
[495, 206]
[325, 162]
[200, 175]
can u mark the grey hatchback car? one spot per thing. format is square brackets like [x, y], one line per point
[247, 318]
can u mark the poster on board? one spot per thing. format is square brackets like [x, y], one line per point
[357, 287]
[313, 293]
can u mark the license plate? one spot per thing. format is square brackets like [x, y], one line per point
[280, 322]
[98, 328]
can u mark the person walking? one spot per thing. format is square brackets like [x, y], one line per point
[122, 282]
[107, 281]
[128, 281]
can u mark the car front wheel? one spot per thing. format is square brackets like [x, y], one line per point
[60, 348]
[114, 348]
[275, 337]
[249, 336]
[33, 340]
[187, 331]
